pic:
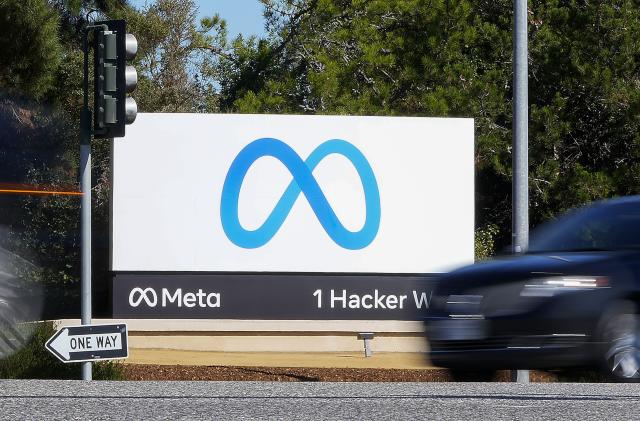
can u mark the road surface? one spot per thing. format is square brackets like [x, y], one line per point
[77, 400]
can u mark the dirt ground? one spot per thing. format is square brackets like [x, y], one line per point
[296, 374]
[164, 364]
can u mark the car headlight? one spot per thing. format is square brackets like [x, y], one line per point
[548, 287]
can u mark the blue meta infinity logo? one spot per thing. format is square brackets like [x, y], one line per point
[303, 181]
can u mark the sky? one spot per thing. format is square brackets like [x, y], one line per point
[242, 16]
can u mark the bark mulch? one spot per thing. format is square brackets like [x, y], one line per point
[230, 373]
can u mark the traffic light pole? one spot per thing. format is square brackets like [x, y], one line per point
[85, 202]
[520, 157]
[85, 230]
[113, 110]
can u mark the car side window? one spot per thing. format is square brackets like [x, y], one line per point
[609, 227]
[615, 228]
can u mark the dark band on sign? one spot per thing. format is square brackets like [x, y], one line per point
[263, 296]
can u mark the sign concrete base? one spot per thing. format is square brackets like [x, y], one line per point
[270, 336]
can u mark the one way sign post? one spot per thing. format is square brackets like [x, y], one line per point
[73, 344]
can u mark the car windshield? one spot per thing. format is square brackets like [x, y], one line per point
[598, 227]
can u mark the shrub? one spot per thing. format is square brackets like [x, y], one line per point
[485, 241]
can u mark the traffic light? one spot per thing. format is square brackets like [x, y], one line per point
[113, 79]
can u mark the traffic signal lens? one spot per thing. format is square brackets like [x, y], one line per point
[131, 46]
[131, 78]
[130, 110]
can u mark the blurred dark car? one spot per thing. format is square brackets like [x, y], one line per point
[573, 300]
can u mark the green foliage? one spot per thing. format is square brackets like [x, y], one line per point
[36, 145]
[40, 100]
[374, 57]
[176, 57]
[484, 241]
[35, 362]
[31, 50]
[584, 108]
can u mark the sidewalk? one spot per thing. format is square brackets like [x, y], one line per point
[396, 360]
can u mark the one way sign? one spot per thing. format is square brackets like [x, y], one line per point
[89, 343]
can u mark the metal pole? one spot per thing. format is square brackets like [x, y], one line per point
[85, 207]
[520, 185]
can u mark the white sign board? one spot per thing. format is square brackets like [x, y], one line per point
[89, 343]
[275, 193]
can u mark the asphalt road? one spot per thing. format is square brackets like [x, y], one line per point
[72, 400]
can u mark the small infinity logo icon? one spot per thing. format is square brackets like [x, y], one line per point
[303, 181]
[148, 295]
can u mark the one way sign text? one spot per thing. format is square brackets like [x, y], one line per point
[89, 343]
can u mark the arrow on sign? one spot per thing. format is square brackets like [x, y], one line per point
[89, 343]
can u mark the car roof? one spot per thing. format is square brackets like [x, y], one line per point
[617, 201]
